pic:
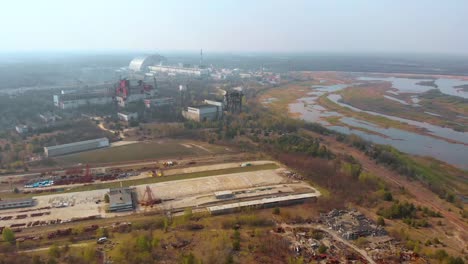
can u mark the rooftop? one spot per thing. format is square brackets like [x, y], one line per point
[120, 196]
[204, 106]
[220, 193]
[79, 96]
[77, 143]
[25, 200]
[121, 199]
[261, 202]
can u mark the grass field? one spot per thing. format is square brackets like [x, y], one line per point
[141, 151]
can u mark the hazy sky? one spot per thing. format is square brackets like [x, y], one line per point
[238, 25]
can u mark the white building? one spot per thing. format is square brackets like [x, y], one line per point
[179, 70]
[140, 64]
[126, 116]
[202, 113]
[70, 101]
[76, 147]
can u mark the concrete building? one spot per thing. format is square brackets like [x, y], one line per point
[128, 91]
[158, 102]
[262, 203]
[219, 105]
[123, 101]
[127, 116]
[202, 113]
[16, 203]
[179, 70]
[74, 100]
[121, 199]
[76, 147]
[141, 63]
[21, 129]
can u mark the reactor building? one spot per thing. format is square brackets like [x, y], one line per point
[141, 63]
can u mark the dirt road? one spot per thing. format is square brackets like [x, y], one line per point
[84, 244]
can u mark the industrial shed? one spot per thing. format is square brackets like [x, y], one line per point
[121, 199]
[202, 113]
[261, 203]
[76, 147]
[16, 203]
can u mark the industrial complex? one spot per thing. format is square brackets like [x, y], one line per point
[218, 194]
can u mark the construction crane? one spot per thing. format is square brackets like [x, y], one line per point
[88, 177]
[148, 198]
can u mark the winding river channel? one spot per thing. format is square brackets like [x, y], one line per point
[443, 147]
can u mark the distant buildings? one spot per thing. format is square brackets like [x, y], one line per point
[179, 70]
[58, 150]
[123, 92]
[140, 64]
[121, 199]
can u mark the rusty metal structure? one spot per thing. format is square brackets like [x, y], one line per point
[148, 198]
[233, 101]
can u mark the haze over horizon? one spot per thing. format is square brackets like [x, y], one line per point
[235, 26]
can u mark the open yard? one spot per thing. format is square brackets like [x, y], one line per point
[178, 191]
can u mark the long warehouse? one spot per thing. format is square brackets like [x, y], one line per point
[262, 203]
[76, 147]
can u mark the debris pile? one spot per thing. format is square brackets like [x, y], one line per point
[352, 224]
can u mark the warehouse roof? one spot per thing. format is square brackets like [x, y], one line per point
[120, 199]
[261, 202]
[9, 201]
[220, 193]
[76, 143]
